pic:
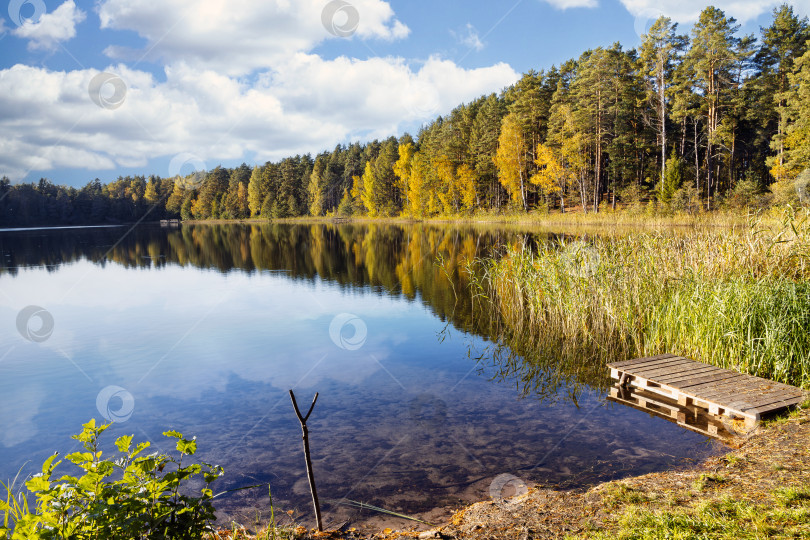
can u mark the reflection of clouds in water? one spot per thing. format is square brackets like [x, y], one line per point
[183, 332]
[195, 330]
[20, 405]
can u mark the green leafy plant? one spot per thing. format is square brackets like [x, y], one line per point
[130, 495]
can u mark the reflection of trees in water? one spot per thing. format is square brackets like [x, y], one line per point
[432, 264]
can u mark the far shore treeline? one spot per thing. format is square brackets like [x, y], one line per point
[684, 123]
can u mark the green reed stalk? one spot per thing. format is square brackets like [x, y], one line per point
[736, 299]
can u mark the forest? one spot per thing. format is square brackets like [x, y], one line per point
[685, 123]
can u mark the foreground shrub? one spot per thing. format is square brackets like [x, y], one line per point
[129, 495]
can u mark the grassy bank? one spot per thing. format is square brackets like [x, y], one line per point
[622, 216]
[735, 298]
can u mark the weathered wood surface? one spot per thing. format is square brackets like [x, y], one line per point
[719, 391]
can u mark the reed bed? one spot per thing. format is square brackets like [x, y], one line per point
[738, 299]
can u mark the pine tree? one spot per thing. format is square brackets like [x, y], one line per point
[660, 49]
[782, 44]
[712, 59]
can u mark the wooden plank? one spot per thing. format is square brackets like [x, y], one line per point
[688, 384]
[674, 367]
[693, 386]
[670, 373]
[752, 405]
[651, 361]
[633, 361]
[755, 392]
[701, 389]
[752, 402]
[657, 362]
[669, 378]
[771, 407]
[702, 368]
[652, 365]
[733, 386]
[739, 391]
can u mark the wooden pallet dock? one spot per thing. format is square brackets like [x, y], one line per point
[721, 392]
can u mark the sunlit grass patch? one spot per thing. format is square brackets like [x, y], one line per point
[723, 518]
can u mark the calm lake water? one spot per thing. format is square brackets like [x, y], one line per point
[205, 328]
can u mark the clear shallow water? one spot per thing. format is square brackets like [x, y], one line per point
[203, 329]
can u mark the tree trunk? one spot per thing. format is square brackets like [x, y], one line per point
[663, 119]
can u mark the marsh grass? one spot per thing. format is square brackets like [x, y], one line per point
[735, 298]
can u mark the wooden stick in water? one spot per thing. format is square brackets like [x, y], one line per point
[310, 476]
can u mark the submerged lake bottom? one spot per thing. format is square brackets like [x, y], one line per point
[204, 329]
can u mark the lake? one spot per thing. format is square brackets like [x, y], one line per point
[204, 329]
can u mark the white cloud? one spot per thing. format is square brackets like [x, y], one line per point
[565, 4]
[59, 25]
[292, 101]
[688, 11]
[469, 38]
[238, 36]
[304, 105]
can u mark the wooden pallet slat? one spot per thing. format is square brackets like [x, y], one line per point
[687, 371]
[668, 369]
[637, 361]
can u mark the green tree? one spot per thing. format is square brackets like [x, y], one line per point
[510, 159]
[256, 193]
[660, 49]
[673, 178]
[712, 60]
[783, 42]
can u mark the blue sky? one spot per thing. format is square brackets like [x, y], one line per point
[105, 88]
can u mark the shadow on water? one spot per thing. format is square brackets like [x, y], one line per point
[434, 437]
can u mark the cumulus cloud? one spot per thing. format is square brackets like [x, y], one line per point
[241, 82]
[469, 38]
[305, 104]
[687, 11]
[239, 36]
[51, 28]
